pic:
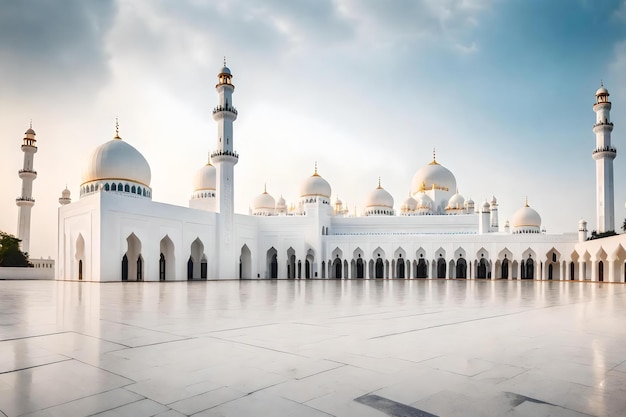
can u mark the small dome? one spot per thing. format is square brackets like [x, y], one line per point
[432, 176]
[602, 91]
[493, 200]
[263, 201]
[117, 160]
[281, 202]
[424, 201]
[409, 204]
[526, 219]
[379, 197]
[486, 207]
[30, 131]
[204, 179]
[65, 193]
[315, 185]
[456, 202]
[225, 70]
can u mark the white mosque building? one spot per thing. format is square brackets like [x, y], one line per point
[115, 232]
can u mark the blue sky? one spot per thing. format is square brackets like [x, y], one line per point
[367, 88]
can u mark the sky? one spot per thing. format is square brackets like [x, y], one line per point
[502, 89]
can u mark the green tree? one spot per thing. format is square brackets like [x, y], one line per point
[10, 253]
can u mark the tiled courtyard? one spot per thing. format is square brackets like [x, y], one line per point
[313, 348]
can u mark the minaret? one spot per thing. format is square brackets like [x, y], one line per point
[604, 154]
[25, 202]
[224, 158]
[494, 214]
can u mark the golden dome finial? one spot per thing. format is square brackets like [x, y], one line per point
[117, 128]
[265, 188]
[379, 187]
[209, 159]
[315, 174]
[31, 124]
[434, 161]
[224, 60]
[526, 203]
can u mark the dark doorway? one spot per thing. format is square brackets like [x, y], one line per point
[601, 271]
[125, 268]
[441, 268]
[461, 268]
[359, 268]
[505, 269]
[274, 267]
[80, 270]
[139, 268]
[190, 268]
[482, 269]
[380, 268]
[400, 268]
[422, 269]
[162, 268]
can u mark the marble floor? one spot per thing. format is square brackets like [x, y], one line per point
[313, 348]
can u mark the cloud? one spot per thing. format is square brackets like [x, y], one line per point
[54, 44]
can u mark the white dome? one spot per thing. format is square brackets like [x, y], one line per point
[456, 201]
[204, 179]
[424, 201]
[281, 202]
[117, 160]
[486, 207]
[225, 70]
[602, 91]
[379, 197]
[315, 185]
[263, 201]
[526, 219]
[65, 193]
[435, 175]
[409, 204]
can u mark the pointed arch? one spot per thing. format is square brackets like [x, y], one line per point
[553, 262]
[309, 264]
[196, 254]
[358, 263]
[271, 258]
[245, 263]
[134, 270]
[291, 263]
[79, 256]
[167, 259]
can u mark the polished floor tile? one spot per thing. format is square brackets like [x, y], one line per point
[311, 348]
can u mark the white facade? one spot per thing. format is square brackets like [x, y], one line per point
[120, 234]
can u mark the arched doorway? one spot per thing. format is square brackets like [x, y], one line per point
[190, 268]
[400, 267]
[291, 263]
[380, 268]
[79, 256]
[422, 268]
[245, 263]
[550, 270]
[528, 269]
[505, 269]
[461, 268]
[167, 262]
[337, 268]
[162, 267]
[360, 267]
[80, 270]
[481, 272]
[125, 268]
[139, 268]
[272, 263]
[600, 271]
[441, 268]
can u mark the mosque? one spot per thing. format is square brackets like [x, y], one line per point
[115, 232]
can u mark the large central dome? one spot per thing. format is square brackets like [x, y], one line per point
[434, 176]
[117, 160]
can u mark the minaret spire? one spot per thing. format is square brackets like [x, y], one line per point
[604, 154]
[117, 128]
[25, 202]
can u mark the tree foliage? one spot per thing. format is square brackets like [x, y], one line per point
[10, 253]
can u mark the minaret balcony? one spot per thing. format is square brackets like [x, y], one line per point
[603, 126]
[225, 108]
[605, 152]
[224, 156]
[25, 201]
[29, 148]
[27, 174]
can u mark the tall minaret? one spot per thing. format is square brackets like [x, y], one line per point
[25, 202]
[224, 158]
[604, 154]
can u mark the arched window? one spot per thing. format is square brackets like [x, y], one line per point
[113, 187]
[144, 192]
[120, 187]
[106, 187]
[127, 188]
[133, 190]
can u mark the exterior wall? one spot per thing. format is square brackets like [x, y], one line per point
[27, 273]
